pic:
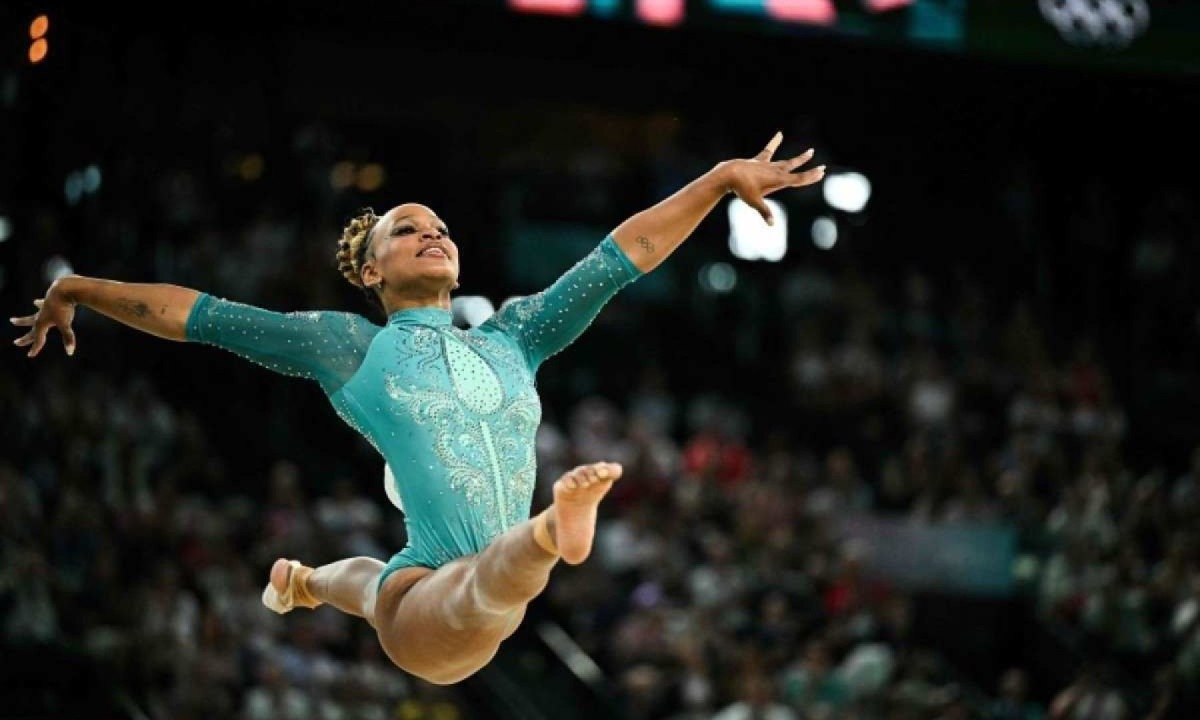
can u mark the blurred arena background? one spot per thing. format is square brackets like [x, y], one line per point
[931, 453]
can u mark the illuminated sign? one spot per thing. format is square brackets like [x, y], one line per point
[1106, 33]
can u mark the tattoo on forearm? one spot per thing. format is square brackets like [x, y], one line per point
[133, 307]
[162, 310]
[645, 244]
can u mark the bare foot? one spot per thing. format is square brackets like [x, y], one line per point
[576, 496]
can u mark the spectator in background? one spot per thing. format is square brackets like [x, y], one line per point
[1012, 701]
[756, 700]
[1185, 491]
[1089, 697]
[812, 685]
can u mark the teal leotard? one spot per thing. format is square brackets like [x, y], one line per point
[453, 412]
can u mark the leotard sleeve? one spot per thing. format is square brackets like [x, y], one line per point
[324, 346]
[545, 323]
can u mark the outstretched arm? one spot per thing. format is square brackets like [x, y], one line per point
[157, 309]
[324, 346]
[650, 236]
[547, 322]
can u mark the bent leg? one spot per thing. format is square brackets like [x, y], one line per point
[450, 623]
[515, 568]
[349, 585]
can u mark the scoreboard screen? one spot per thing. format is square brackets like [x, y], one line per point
[1150, 35]
[936, 21]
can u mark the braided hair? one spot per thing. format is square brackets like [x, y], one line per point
[352, 252]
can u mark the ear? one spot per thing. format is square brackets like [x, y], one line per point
[370, 275]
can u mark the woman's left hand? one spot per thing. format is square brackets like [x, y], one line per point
[755, 178]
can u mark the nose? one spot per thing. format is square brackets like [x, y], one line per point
[431, 233]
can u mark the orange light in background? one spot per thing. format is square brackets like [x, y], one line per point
[38, 50]
[38, 27]
[251, 167]
[342, 175]
[370, 177]
[37, 32]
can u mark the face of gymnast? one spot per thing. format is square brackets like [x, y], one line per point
[409, 259]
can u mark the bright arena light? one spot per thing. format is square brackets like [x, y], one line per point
[847, 191]
[57, 266]
[751, 238]
[5, 228]
[824, 233]
[718, 277]
[473, 309]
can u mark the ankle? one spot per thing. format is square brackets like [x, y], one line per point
[544, 531]
[302, 587]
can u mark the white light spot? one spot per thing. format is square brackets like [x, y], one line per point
[56, 267]
[824, 233]
[718, 277]
[751, 238]
[848, 191]
[474, 310]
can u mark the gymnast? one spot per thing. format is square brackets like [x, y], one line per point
[452, 412]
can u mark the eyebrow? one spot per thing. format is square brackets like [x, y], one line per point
[405, 217]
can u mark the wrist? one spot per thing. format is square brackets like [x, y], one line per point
[68, 288]
[721, 177]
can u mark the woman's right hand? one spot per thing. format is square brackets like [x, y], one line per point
[755, 178]
[56, 310]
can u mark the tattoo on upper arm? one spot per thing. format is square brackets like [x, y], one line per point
[133, 307]
[645, 244]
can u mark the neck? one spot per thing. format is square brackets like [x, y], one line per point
[393, 302]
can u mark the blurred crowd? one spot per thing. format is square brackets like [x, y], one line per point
[717, 589]
[118, 542]
[138, 529]
[720, 588]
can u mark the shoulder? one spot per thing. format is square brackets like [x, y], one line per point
[516, 312]
[352, 322]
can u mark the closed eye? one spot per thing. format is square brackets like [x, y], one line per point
[406, 229]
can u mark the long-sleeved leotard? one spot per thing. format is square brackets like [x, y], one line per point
[453, 412]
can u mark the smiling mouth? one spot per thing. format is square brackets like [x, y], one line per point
[433, 252]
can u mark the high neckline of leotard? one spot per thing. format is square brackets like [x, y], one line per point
[421, 316]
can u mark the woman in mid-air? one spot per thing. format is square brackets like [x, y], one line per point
[453, 412]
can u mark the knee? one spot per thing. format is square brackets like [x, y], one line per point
[446, 678]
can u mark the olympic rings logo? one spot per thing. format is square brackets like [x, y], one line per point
[1108, 23]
